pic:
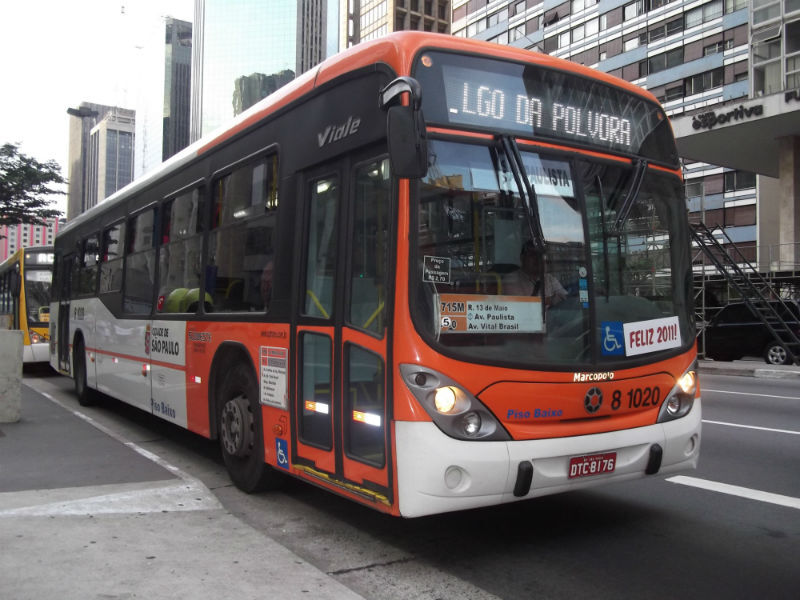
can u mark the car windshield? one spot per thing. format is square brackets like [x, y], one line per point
[587, 267]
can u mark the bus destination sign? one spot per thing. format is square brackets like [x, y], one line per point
[483, 105]
[534, 101]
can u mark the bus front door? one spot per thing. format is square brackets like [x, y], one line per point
[342, 395]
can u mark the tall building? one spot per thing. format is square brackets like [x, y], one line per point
[362, 20]
[255, 40]
[14, 237]
[700, 59]
[164, 99]
[110, 155]
[100, 158]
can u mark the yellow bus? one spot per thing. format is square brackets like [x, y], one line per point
[25, 279]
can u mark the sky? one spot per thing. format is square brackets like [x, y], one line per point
[55, 54]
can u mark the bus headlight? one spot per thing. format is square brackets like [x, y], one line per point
[471, 423]
[681, 398]
[444, 399]
[453, 409]
[35, 337]
[688, 382]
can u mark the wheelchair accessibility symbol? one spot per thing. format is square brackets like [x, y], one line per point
[281, 453]
[613, 343]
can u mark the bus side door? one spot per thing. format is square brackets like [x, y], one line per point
[63, 335]
[341, 399]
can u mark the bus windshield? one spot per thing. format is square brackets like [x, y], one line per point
[37, 295]
[609, 282]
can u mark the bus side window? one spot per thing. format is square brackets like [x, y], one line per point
[322, 248]
[113, 244]
[140, 263]
[241, 244]
[369, 247]
[91, 258]
[179, 255]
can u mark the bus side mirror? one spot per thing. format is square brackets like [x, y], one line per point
[405, 128]
[408, 148]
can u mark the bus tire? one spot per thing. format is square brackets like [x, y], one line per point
[241, 435]
[85, 395]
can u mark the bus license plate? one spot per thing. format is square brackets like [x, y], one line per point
[593, 464]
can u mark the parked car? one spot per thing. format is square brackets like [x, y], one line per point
[735, 332]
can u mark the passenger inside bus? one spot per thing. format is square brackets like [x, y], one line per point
[532, 280]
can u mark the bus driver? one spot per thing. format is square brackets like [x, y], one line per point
[530, 277]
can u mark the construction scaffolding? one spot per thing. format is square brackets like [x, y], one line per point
[723, 274]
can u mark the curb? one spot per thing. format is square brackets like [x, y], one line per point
[748, 369]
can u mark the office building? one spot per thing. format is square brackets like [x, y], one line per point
[714, 65]
[363, 20]
[100, 158]
[164, 85]
[14, 237]
[110, 155]
[246, 47]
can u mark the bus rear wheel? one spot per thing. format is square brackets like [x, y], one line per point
[85, 395]
[241, 435]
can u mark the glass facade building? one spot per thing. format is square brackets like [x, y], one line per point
[110, 156]
[164, 92]
[235, 39]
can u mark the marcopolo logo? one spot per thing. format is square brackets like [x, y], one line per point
[593, 400]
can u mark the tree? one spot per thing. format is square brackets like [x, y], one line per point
[25, 188]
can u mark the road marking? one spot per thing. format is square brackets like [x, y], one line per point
[735, 490]
[704, 389]
[110, 499]
[770, 429]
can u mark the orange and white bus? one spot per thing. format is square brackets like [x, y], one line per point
[25, 278]
[337, 287]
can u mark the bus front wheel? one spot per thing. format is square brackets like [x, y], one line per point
[241, 433]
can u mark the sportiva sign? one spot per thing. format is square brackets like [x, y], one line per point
[710, 119]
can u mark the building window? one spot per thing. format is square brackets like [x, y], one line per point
[661, 62]
[703, 14]
[704, 82]
[673, 93]
[765, 10]
[793, 55]
[739, 180]
[631, 11]
[734, 5]
[767, 78]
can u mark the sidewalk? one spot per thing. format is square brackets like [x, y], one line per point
[748, 368]
[85, 515]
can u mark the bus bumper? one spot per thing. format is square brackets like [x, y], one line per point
[36, 353]
[437, 473]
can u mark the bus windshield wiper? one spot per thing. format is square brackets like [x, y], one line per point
[637, 177]
[526, 190]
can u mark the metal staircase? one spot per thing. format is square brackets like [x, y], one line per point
[755, 291]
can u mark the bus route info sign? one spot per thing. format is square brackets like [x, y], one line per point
[274, 362]
[471, 313]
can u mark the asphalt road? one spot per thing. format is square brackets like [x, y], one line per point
[731, 529]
